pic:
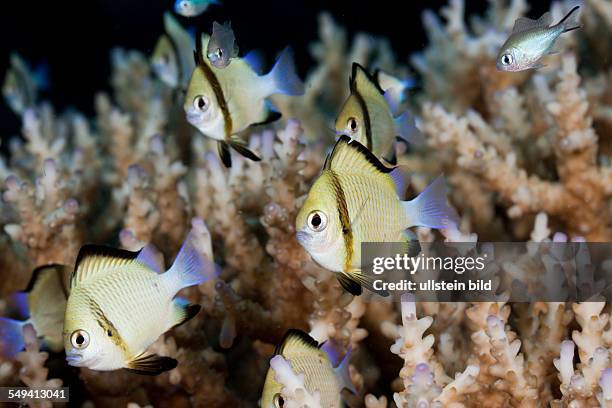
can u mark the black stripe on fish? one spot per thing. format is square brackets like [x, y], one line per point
[109, 328]
[345, 220]
[356, 66]
[215, 85]
[354, 144]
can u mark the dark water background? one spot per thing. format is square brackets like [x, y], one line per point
[74, 37]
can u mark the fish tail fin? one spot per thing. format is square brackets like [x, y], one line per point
[343, 373]
[430, 208]
[182, 311]
[11, 337]
[191, 267]
[407, 129]
[283, 76]
[570, 21]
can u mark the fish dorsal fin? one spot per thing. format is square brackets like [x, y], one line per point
[353, 157]
[199, 53]
[523, 24]
[97, 260]
[294, 339]
[362, 81]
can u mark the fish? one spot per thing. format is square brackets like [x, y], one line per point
[316, 363]
[121, 301]
[43, 303]
[172, 58]
[367, 118]
[531, 39]
[394, 88]
[193, 8]
[21, 84]
[221, 103]
[222, 46]
[356, 199]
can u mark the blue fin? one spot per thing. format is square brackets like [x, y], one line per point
[150, 257]
[330, 348]
[20, 301]
[190, 267]
[399, 177]
[255, 60]
[430, 208]
[406, 127]
[342, 373]
[284, 77]
[11, 337]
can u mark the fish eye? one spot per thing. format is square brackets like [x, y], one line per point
[317, 221]
[352, 124]
[279, 401]
[506, 59]
[200, 102]
[79, 339]
[184, 4]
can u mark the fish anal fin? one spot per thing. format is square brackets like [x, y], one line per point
[224, 154]
[366, 282]
[349, 284]
[241, 147]
[95, 260]
[182, 312]
[271, 116]
[151, 364]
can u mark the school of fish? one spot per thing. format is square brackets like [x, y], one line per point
[107, 310]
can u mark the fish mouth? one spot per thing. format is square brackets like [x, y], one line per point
[195, 118]
[302, 237]
[74, 359]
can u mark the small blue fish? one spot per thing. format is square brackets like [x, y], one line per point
[222, 45]
[21, 84]
[192, 8]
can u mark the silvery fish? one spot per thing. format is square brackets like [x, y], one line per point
[192, 8]
[357, 199]
[367, 118]
[531, 39]
[172, 59]
[222, 46]
[120, 302]
[221, 103]
[394, 88]
[21, 85]
[316, 364]
[43, 303]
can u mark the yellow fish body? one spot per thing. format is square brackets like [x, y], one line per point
[357, 199]
[172, 59]
[315, 363]
[44, 301]
[222, 102]
[367, 117]
[121, 302]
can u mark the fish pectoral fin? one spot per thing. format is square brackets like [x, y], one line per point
[224, 153]
[537, 65]
[182, 311]
[151, 364]
[240, 146]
